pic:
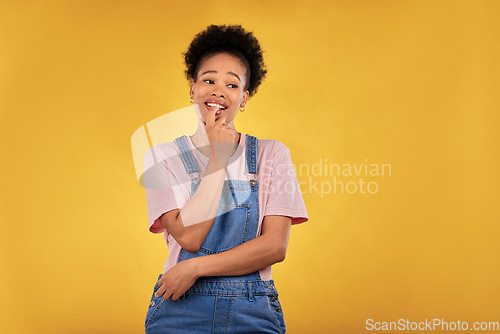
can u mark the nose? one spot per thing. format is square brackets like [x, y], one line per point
[217, 91]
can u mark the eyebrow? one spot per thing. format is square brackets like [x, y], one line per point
[213, 71]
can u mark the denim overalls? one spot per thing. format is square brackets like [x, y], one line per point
[222, 304]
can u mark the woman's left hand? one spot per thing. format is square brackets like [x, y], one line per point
[177, 280]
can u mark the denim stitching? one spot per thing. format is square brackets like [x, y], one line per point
[155, 311]
[229, 315]
[250, 292]
[246, 226]
[228, 294]
[268, 282]
[155, 289]
[203, 247]
[252, 147]
[273, 315]
[186, 155]
[215, 312]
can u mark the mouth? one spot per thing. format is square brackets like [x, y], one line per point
[220, 107]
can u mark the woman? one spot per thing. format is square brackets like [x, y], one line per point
[230, 222]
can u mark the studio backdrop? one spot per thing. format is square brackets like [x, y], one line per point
[390, 112]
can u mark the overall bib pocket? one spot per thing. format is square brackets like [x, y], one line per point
[229, 229]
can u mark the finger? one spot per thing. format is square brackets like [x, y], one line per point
[220, 121]
[167, 295]
[161, 287]
[211, 115]
[159, 293]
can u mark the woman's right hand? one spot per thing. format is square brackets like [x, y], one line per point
[221, 137]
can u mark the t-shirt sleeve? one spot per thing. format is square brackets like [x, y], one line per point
[284, 197]
[163, 193]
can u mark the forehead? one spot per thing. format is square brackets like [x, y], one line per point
[222, 62]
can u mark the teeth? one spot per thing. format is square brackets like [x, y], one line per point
[210, 104]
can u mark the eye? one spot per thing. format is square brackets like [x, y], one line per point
[210, 81]
[233, 86]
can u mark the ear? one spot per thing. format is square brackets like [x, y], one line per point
[191, 89]
[245, 98]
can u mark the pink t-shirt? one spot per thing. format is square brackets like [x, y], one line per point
[168, 185]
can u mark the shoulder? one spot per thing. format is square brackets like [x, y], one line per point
[163, 150]
[161, 154]
[271, 154]
[272, 147]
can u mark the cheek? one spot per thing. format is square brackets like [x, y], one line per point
[198, 92]
[201, 89]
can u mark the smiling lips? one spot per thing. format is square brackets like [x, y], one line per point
[220, 107]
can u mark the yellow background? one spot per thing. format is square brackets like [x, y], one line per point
[410, 83]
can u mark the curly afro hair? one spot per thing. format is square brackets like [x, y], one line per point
[234, 40]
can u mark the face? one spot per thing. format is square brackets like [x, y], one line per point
[221, 80]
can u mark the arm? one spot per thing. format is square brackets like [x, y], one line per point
[188, 226]
[250, 256]
[191, 224]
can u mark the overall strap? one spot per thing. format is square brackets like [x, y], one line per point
[186, 155]
[252, 144]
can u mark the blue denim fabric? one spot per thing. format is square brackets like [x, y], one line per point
[222, 304]
[218, 307]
